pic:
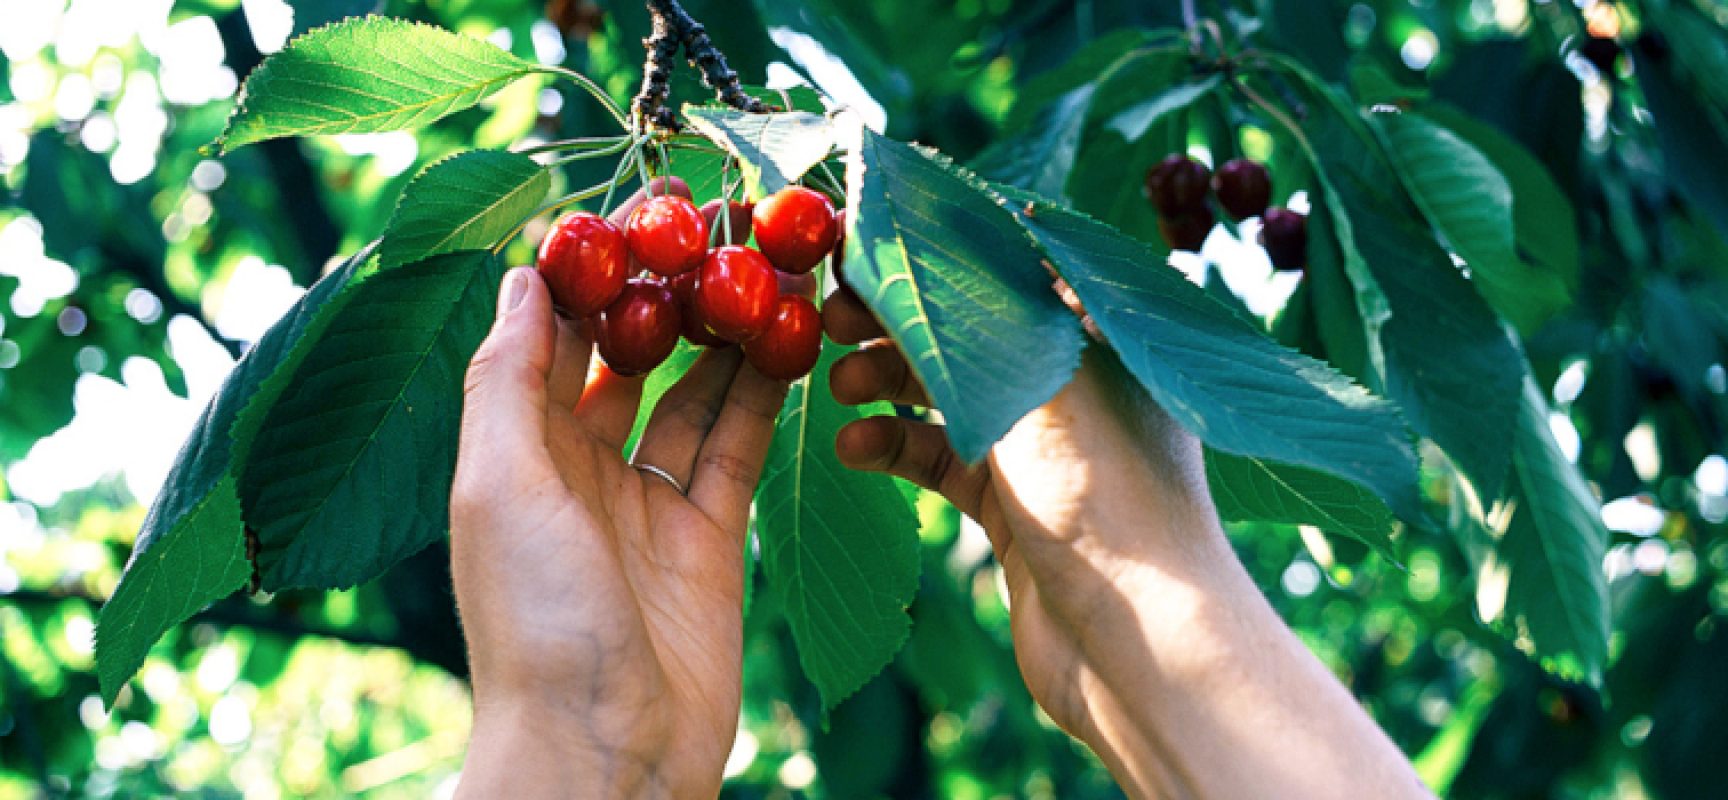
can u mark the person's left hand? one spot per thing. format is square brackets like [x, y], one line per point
[602, 605]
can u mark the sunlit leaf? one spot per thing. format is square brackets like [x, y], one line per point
[365, 75]
[959, 287]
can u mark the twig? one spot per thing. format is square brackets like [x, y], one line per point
[675, 28]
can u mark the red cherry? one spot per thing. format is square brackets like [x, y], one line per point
[684, 291]
[1244, 188]
[740, 214]
[795, 228]
[735, 292]
[1187, 231]
[1284, 234]
[639, 329]
[667, 234]
[789, 348]
[584, 261]
[1178, 184]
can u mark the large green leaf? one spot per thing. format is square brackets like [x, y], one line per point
[1255, 489]
[190, 551]
[1542, 580]
[839, 547]
[1470, 202]
[1546, 224]
[773, 150]
[1419, 310]
[1220, 376]
[466, 202]
[350, 471]
[960, 288]
[367, 75]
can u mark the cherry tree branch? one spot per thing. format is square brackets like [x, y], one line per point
[675, 29]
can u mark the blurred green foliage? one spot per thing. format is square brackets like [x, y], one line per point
[132, 263]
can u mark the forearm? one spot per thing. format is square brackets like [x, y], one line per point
[1184, 679]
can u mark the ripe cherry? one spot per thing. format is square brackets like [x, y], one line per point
[739, 214]
[1244, 188]
[735, 293]
[1187, 231]
[795, 228]
[789, 348]
[683, 288]
[1284, 234]
[639, 329]
[667, 234]
[1178, 184]
[584, 261]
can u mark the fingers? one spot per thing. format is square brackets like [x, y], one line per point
[916, 451]
[846, 320]
[607, 410]
[571, 356]
[876, 372]
[686, 413]
[505, 392]
[730, 461]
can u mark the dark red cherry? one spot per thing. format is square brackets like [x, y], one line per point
[584, 262]
[1284, 234]
[1244, 188]
[667, 234]
[684, 291]
[1178, 185]
[795, 228]
[735, 293]
[789, 348]
[639, 329]
[1187, 231]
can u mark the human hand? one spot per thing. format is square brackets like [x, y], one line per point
[1134, 625]
[602, 606]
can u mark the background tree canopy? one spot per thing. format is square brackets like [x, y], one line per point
[1518, 235]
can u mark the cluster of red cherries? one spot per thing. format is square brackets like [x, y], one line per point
[658, 279]
[1179, 186]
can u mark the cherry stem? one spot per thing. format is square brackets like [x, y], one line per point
[595, 91]
[673, 27]
[618, 173]
[589, 147]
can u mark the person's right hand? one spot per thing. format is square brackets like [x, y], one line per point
[1135, 626]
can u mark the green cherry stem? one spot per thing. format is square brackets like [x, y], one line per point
[595, 91]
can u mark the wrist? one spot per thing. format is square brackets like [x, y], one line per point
[544, 747]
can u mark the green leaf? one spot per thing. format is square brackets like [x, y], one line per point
[1219, 375]
[367, 75]
[190, 551]
[773, 150]
[1417, 308]
[469, 201]
[1542, 581]
[350, 472]
[1470, 203]
[1133, 122]
[958, 286]
[840, 547]
[1041, 158]
[1684, 92]
[1255, 489]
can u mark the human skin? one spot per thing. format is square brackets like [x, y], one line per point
[602, 607]
[1135, 626]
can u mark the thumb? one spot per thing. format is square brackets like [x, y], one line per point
[504, 395]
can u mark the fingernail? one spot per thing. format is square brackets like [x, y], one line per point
[514, 291]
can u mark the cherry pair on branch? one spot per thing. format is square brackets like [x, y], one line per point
[713, 297]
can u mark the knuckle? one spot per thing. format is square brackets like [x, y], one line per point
[734, 468]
